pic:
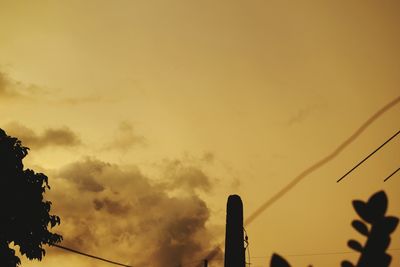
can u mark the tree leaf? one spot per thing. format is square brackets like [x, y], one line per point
[24, 212]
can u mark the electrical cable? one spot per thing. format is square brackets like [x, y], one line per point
[387, 178]
[321, 162]
[288, 187]
[246, 240]
[314, 167]
[90, 256]
[319, 254]
[367, 157]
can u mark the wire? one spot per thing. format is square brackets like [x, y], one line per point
[246, 240]
[88, 255]
[313, 168]
[320, 254]
[387, 178]
[321, 162]
[367, 157]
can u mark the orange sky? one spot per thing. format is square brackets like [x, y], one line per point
[146, 115]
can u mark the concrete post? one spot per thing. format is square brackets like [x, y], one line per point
[234, 238]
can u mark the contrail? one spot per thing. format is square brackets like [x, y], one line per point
[321, 162]
[311, 169]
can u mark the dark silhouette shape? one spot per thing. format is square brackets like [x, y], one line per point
[278, 261]
[234, 239]
[321, 162]
[24, 214]
[373, 253]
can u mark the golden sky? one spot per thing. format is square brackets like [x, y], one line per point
[147, 115]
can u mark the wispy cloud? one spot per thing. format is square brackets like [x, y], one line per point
[302, 114]
[6, 90]
[51, 137]
[11, 89]
[125, 138]
[81, 100]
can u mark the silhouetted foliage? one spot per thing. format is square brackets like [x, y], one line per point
[373, 253]
[24, 214]
[278, 261]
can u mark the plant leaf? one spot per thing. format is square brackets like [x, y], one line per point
[278, 261]
[390, 224]
[355, 245]
[377, 206]
[362, 210]
[360, 227]
[347, 264]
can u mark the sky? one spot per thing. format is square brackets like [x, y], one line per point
[147, 115]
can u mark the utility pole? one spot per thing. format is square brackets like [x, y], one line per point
[234, 238]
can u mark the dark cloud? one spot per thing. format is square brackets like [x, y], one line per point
[84, 175]
[132, 217]
[125, 138]
[62, 137]
[111, 206]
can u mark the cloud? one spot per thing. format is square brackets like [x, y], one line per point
[61, 137]
[5, 87]
[11, 89]
[81, 100]
[302, 114]
[120, 213]
[125, 138]
[186, 177]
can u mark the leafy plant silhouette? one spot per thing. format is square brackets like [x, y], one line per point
[373, 253]
[278, 261]
[24, 214]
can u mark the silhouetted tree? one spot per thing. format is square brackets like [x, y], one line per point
[24, 214]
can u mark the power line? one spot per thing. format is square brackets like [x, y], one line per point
[295, 255]
[90, 256]
[314, 167]
[387, 178]
[321, 162]
[289, 186]
[319, 254]
[367, 157]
